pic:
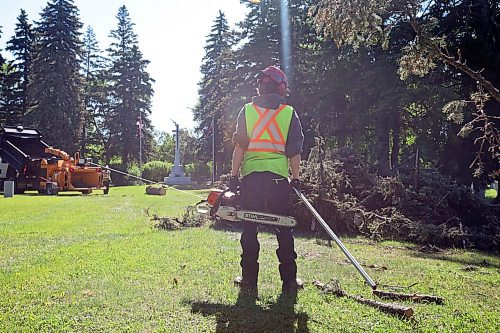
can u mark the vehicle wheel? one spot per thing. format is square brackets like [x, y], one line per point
[49, 190]
[18, 190]
[86, 192]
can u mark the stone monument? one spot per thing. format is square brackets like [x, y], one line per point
[177, 176]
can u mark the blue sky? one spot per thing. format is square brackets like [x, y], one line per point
[171, 35]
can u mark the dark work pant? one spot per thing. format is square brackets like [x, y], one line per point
[266, 192]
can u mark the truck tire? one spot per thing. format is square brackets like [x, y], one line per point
[18, 190]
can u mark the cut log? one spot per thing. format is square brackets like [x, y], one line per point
[155, 190]
[392, 308]
[411, 297]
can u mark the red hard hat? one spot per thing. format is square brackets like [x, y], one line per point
[275, 74]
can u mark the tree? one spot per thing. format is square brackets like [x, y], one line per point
[130, 93]
[3, 116]
[215, 88]
[436, 37]
[55, 83]
[16, 80]
[94, 66]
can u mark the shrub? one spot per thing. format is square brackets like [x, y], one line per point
[198, 171]
[118, 179]
[156, 170]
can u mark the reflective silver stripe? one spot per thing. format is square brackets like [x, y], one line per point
[277, 147]
[274, 132]
[263, 123]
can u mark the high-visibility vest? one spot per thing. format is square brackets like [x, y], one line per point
[267, 130]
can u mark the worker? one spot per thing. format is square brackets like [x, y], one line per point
[106, 177]
[268, 140]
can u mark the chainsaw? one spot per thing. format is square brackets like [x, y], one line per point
[225, 205]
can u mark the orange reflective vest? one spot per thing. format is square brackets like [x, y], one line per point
[267, 131]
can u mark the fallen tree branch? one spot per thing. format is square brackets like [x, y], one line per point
[412, 297]
[392, 308]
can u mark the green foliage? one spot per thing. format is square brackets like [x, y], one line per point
[198, 171]
[15, 95]
[119, 179]
[55, 86]
[214, 113]
[134, 170]
[432, 38]
[129, 95]
[156, 170]
[95, 94]
[164, 149]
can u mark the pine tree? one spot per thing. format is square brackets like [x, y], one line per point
[94, 66]
[3, 116]
[2, 60]
[16, 80]
[55, 83]
[215, 89]
[130, 93]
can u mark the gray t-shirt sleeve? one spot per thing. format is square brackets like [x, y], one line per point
[240, 136]
[295, 139]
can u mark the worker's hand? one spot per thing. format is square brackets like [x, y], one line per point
[234, 183]
[296, 184]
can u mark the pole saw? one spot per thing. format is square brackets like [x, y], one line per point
[224, 205]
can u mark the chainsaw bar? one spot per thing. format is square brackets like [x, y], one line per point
[231, 214]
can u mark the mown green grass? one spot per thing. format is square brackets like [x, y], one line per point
[95, 263]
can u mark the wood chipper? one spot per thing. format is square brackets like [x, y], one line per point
[65, 173]
[33, 165]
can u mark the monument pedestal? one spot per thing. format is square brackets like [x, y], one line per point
[177, 177]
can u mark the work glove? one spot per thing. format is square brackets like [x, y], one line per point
[296, 184]
[234, 183]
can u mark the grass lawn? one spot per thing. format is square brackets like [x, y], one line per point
[95, 263]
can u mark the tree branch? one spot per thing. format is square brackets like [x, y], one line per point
[494, 92]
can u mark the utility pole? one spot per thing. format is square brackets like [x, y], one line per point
[139, 131]
[214, 165]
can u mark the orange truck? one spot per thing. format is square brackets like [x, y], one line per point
[33, 165]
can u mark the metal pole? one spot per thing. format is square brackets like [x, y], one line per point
[336, 239]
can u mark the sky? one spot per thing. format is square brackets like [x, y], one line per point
[171, 34]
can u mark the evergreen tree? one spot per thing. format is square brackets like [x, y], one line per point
[215, 93]
[2, 59]
[55, 85]
[3, 116]
[16, 81]
[130, 93]
[94, 66]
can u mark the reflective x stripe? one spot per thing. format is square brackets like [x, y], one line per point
[267, 123]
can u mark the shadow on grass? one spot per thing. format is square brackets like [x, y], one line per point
[480, 260]
[246, 316]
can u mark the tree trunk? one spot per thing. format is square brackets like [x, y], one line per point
[396, 133]
[407, 297]
[382, 149]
